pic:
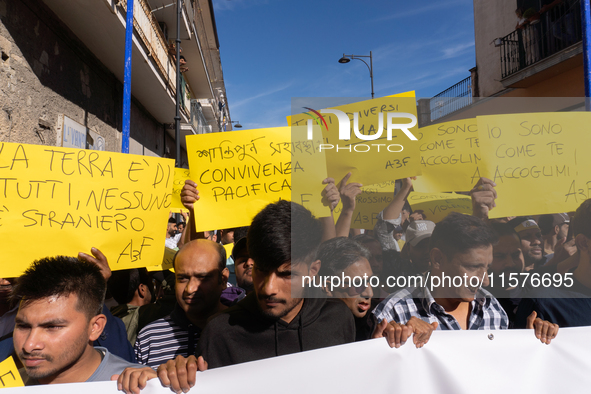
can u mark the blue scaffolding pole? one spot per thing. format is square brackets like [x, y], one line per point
[586, 22]
[127, 78]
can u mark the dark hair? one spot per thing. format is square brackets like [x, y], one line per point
[124, 283]
[240, 232]
[282, 232]
[337, 254]
[223, 257]
[458, 233]
[422, 213]
[62, 276]
[503, 229]
[364, 239]
[240, 249]
[581, 222]
[171, 220]
[406, 207]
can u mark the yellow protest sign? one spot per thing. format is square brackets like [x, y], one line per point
[167, 261]
[229, 248]
[538, 161]
[309, 170]
[64, 201]
[374, 139]
[372, 200]
[410, 93]
[180, 176]
[238, 173]
[449, 157]
[9, 376]
[437, 206]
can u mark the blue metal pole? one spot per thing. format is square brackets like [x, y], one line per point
[177, 116]
[586, 22]
[127, 78]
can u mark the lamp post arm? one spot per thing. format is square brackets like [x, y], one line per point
[369, 66]
[358, 58]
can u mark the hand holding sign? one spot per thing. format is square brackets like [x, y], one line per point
[348, 192]
[132, 380]
[99, 259]
[397, 334]
[544, 330]
[483, 197]
[189, 195]
[180, 374]
[330, 194]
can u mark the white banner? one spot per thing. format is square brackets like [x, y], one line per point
[509, 361]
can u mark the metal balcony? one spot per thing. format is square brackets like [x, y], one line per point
[451, 99]
[555, 30]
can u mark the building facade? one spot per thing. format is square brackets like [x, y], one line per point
[529, 53]
[62, 65]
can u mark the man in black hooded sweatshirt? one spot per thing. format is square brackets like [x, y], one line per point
[280, 317]
[276, 319]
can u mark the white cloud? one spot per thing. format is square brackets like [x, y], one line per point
[231, 5]
[271, 91]
[422, 10]
[457, 50]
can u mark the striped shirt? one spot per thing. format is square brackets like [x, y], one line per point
[485, 313]
[166, 338]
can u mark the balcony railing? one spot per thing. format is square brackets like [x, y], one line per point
[147, 28]
[198, 120]
[152, 37]
[452, 99]
[557, 29]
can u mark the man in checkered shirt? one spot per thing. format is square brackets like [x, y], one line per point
[461, 247]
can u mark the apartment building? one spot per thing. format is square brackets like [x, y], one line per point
[529, 53]
[62, 67]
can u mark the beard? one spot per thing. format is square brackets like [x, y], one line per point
[533, 260]
[57, 364]
[246, 283]
[278, 313]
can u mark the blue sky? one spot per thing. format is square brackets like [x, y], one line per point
[273, 50]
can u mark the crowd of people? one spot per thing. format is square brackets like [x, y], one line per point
[71, 319]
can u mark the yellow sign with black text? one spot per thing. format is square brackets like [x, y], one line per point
[65, 200]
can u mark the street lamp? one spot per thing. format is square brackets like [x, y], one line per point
[237, 125]
[347, 59]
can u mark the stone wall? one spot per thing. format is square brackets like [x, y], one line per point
[46, 71]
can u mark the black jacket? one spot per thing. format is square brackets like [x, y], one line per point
[242, 333]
